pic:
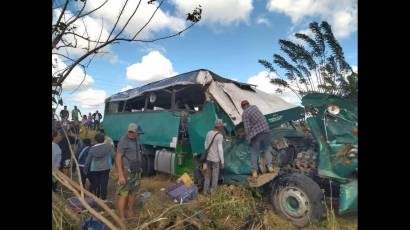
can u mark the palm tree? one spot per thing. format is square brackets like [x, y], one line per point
[317, 66]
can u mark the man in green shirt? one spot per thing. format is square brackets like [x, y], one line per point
[74, 113]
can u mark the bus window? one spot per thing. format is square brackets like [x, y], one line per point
[135, 104]
[114, 107]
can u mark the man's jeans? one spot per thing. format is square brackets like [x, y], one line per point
[261, 142]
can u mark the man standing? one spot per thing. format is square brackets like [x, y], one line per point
[258, 135]
[128, 166]
[56, 153]
[97, 117]
[215, 157]
[64, 144]
[64, 114]
[74, 114]
[56, 150]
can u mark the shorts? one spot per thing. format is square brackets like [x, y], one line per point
[131, 185]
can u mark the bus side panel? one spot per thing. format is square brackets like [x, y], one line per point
[160, 127]
[198, 126]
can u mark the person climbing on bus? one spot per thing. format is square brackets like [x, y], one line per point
[258, 135]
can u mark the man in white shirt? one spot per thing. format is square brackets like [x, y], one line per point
[215, 157]
[97, 119]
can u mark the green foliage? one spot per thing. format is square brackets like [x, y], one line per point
[317, 66]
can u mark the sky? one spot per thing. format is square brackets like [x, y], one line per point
[229, 40]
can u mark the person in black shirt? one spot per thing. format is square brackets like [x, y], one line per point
[64, 114]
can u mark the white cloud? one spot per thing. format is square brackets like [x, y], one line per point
[262, 20]
[153, 67]
[219, 12]
[87, 27]
[262, 82]
[75, 78]
[127, 87]
[341, 14]
[354, 67]
[162, 19]
[307, 32]
[90, 99]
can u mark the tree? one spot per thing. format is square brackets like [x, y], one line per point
[316, 64]
[75, 46]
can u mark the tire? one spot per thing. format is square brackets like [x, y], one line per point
[144, 165]
[148, 158]
[150, 165]
[298, 198]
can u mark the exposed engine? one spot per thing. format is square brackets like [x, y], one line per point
[306, 162]
[296, 153]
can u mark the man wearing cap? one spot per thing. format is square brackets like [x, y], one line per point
[128, 165]
[258, 135]
[215, 157]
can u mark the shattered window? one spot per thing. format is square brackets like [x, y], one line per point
[135, 104]
[159, 100]
[191, 98]
[115, 107]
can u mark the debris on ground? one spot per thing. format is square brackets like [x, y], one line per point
[229, 207]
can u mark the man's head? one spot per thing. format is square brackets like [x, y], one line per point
[244, 104]
[75, 107]
[57, 136]
[134, 131]
[65, 107]
[99, 137]
[219, 124]
[87, 141]
[96, 111]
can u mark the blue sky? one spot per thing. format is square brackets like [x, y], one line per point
[230, 39]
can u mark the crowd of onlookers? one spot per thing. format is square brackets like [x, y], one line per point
[90, 121]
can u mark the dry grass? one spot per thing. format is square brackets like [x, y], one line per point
[231, 207]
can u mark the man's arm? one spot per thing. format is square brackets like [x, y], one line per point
[220, 149]
[87, 162]
[246, 125]
[206, 141]
[118, 167]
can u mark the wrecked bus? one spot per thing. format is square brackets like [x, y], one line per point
[177, 112]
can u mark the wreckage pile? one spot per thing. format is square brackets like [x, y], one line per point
[228, 208]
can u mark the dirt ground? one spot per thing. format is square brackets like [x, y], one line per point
[232, 207]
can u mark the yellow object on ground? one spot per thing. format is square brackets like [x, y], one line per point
[186, 179]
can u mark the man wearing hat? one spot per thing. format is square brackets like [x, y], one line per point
[258, 135]
[128, 164]
[215, 156]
